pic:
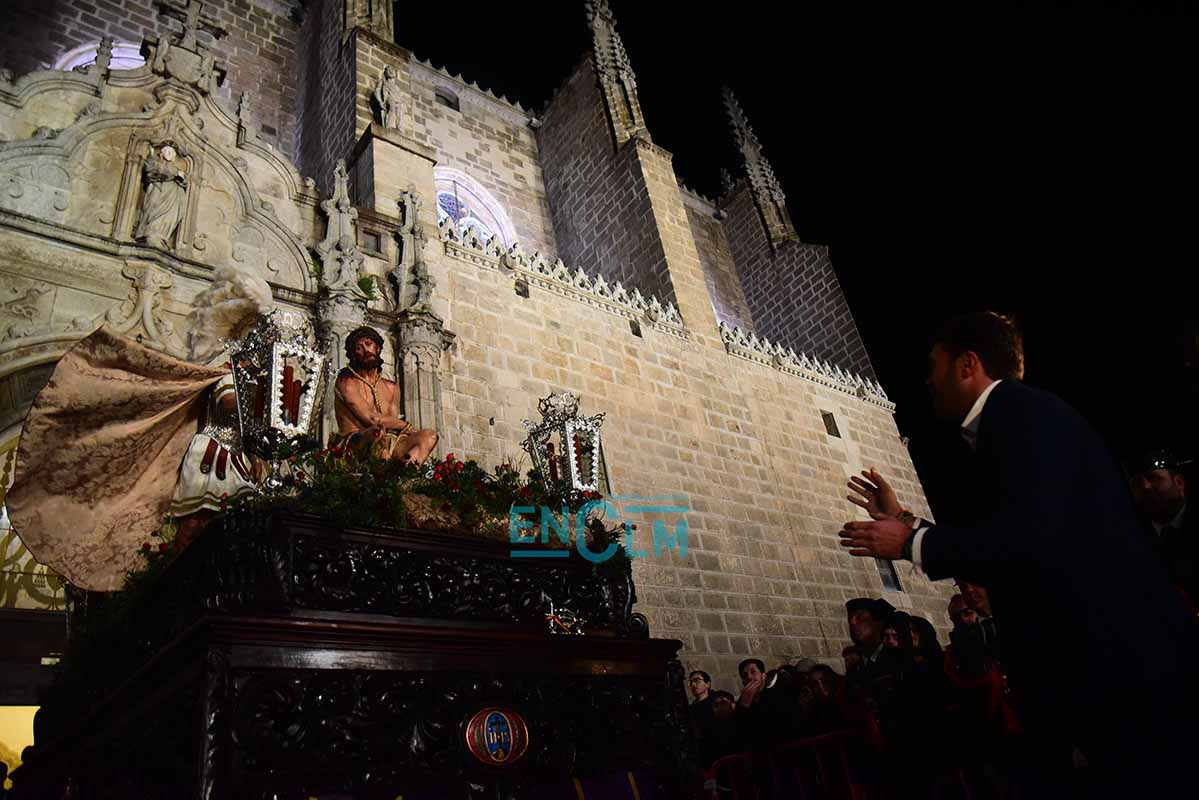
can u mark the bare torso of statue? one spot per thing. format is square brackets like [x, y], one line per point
[367, 405]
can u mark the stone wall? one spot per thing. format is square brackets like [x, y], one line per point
[492, 143]
[793, 292]
[603, 221]
[743, 444]
[259, 51]
[325, 87]
[720, 272]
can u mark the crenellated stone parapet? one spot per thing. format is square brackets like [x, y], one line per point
[747, 345]
[536, 269]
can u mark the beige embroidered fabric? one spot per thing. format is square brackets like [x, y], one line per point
[100, 454]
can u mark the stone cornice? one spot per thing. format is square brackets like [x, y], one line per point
[747, 345]
[579, 286]
[104, 245]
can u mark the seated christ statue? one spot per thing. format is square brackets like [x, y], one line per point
[367, 405]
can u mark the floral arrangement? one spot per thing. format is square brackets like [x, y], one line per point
[355, 487]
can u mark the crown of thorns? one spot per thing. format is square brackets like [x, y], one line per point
[365, 332]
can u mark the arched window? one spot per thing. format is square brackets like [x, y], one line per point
[125, 55]
[464, 200]
[446, 98]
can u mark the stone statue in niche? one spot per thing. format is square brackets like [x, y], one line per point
[412, 238]
[163, 200]
[387, 97]
[421, 278]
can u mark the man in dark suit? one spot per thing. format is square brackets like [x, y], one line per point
[1095, 639]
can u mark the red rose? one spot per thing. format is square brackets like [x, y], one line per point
[162, 548]
[449, 457]
[146, 546]
[301, 475]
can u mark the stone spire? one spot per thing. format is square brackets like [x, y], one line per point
[767, 191]
[374, 15]
[341, 302]
[615, 73]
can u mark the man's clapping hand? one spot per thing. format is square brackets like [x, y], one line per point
[874, 494]
[881, 539]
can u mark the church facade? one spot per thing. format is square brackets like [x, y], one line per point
[503, 254]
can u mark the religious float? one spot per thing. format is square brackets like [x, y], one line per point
[361, 627]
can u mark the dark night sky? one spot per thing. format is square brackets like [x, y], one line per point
[1038, 161]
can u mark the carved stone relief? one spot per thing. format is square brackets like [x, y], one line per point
[140, 316]
[24, 308]
[38, 189]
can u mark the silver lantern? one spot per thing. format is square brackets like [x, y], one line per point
[279, 381]
[567, 444]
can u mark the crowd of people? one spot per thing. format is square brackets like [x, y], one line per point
[917, 719]
[1070, 667]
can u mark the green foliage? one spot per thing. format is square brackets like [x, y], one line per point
[354, 487]
[367, 285]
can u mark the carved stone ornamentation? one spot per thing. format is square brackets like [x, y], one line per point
[375, 16]
[23, 311]
[387, 96]
[245, 120]
[422, 338]
[184, 58]
[104, 56]
[614, 72]
[767, 191]
[341, 304]
[140, 315]
[341, 260]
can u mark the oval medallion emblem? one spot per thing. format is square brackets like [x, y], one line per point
[497, 736]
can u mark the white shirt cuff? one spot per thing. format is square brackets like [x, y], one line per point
[916, 541]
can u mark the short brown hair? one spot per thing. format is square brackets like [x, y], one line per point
[993, 337]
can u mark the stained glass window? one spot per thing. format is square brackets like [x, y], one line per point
[463, 200]
[125, 55]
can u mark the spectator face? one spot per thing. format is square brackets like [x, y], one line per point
[960, 613]
[722, 706]
[864, 629]
[890, 638]
[699, 687]
[976, 597]
[1159, 494]
[751, 673]
[852, 658]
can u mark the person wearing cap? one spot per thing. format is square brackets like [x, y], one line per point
[866, 616]
[1050, 522]
[870, 676]
[1160, 493]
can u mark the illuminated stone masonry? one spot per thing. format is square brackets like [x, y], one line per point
[503, 255]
